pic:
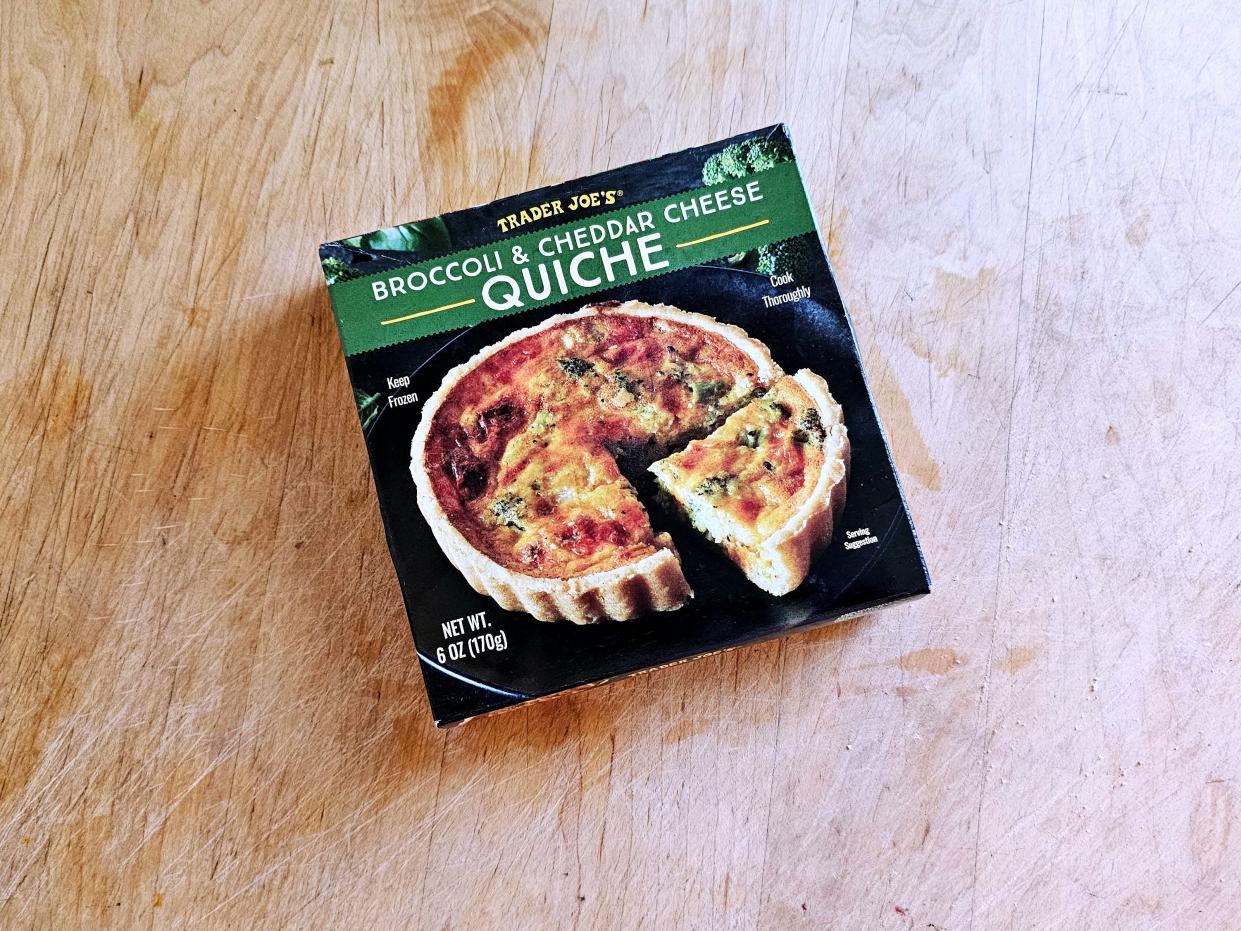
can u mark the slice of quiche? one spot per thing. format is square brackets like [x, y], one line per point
[768, 483]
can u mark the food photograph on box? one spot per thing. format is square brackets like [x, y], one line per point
[617, 423]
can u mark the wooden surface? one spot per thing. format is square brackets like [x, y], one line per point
[210, 712]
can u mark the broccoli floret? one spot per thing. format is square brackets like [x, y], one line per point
[720, 484]
[508, 509]
[335, 270]
[751, 437]
[761, 154]
[678, 374]
[707, 392]
[796, 257]
[779, 409]
[629, 383]
[810, 428]
[722, 166]
[730, 161]
[574, 367]
[745, 158]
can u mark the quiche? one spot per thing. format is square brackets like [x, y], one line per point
[768, 484]
[518, 456]
[522, 455]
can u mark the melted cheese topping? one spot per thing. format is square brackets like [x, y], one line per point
[747, 478]
[521, 452]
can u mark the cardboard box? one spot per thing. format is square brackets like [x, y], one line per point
[617, 423]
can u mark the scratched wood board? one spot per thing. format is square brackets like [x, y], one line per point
[210, 711]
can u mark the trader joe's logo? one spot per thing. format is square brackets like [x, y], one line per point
[552, 208]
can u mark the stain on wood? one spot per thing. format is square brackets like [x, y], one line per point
[935, 660]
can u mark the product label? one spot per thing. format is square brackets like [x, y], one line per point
[571, 260]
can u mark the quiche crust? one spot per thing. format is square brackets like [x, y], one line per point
[778, 561]
[653, 582]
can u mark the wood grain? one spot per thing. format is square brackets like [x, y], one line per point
[210, 712]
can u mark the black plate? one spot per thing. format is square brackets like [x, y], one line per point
[727, 610]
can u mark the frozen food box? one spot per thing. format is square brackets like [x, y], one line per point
[617, 423]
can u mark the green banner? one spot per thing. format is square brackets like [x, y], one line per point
[571, 260]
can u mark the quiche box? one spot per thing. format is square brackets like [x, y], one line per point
[617, 423]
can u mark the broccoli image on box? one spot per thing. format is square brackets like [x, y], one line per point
[745, 158]
[792, 257]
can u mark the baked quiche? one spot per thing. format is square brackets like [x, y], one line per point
[768, 483]
[517, 458]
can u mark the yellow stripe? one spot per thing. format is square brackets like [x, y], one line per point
[433, 310]
[739, 229]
